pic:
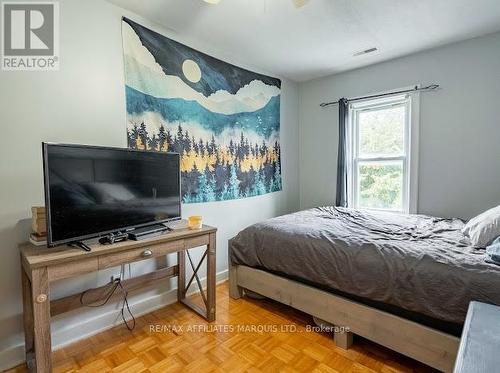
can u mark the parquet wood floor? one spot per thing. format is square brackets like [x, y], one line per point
[185, 346]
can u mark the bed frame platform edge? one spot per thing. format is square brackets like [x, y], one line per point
[422, 343]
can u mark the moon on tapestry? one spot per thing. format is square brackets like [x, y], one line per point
[222, 119]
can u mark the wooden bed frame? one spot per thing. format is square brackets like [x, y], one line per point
[428, 345]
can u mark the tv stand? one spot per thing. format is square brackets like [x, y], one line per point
[82, 245]
[41, 268]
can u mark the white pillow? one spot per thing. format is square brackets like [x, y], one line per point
[484, 228]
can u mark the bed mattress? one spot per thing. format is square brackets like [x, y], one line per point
[415, 263]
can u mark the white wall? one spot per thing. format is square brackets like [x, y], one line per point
[459, 126]
[84, 103]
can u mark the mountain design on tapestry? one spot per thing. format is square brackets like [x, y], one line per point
[222, 119]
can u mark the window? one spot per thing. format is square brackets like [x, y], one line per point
[382, 169]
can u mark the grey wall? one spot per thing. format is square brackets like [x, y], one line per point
[84, 103]
[459, 153]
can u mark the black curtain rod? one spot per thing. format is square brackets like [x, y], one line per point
[416, 89]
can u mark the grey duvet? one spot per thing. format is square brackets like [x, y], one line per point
[417, 263]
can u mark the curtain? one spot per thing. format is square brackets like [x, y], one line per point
[341, 197]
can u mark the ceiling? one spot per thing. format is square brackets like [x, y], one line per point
[320, 38]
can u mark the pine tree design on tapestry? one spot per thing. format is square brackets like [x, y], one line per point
[213, 172]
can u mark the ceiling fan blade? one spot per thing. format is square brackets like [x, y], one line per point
[300, 3]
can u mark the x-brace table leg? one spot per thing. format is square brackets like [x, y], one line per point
[208, 312]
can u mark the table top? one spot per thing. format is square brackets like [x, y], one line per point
[39, 256]
[480, 343]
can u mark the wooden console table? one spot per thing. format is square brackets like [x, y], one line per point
[42, 266]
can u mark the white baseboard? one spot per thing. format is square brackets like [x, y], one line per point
[62, 337]
[11, 357]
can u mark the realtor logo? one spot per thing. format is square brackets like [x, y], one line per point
[30, 36]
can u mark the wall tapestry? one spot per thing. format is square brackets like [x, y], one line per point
[222, 119]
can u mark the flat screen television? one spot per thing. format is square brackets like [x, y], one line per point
[91, 191]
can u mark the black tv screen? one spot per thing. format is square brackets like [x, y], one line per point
[91, 191]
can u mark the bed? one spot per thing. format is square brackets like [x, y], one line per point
[404, 281]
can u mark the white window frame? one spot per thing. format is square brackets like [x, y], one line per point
[409, 156]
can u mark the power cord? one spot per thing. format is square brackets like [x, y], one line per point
[117, 283]
[125, 304]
